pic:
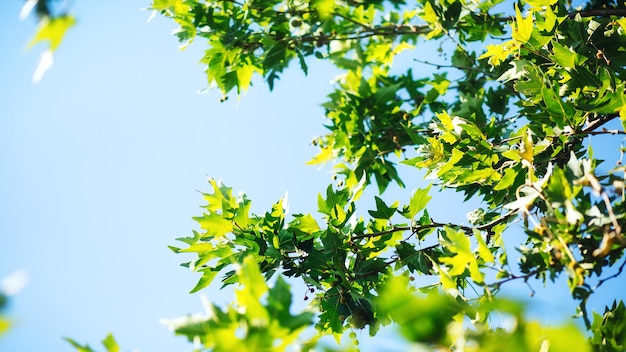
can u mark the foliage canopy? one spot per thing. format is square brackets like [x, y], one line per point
[506, 115]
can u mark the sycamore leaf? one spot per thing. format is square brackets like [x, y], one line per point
[418, 202]
[324, 8]
[541, 3]
[339, 198]
[110, 344]
[446, 281]
[462, 256]
[52, 30]
[208, 274]
[305, 223]
[214, 224]
[386, 93]
[77, 346]
[497, 53]
[514, 73]
[252, 287]
[279, 301]
[325, 155]
[507, 180]
[429, 15]
[523, 27]
[178, 6]
[382, 210]
[526, 148]
[4, 325]
[560, 112]
[563, 56]
[244, 77]
[483, 250]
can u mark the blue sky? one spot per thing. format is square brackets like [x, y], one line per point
[101, 166]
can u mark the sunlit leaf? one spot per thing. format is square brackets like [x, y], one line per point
[52, 30]
[418, 202]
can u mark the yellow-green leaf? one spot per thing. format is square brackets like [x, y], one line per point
[252, 288]
[4, 325]
[52, 30]
[483, 250]
[324, 8]
[507, 180]
[497, 53]
[541, 3]
[523, 27]
[214, 224]
[110, 344]
[429, 15]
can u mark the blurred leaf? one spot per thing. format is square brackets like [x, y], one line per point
[52, 30]
[110, 344]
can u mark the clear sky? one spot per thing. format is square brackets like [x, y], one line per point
[102, 161]
[101, 167]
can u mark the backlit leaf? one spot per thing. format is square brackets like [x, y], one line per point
[52, 30]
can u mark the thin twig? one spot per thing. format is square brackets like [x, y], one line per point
[599, 122]
[618, 273]
[604, 131]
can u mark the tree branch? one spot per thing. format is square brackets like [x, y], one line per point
[415, 229]
[599, 13]
[618, 273]
[604, 131]
[597, 123]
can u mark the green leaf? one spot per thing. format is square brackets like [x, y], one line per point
[382, 210]
[327, 206]
[275, 57]
[179, 7]
[252, 287]
[429, 15]
[279, 301]
[560, 112]
[507, 180]
[386, 93]
[77, 346]
[324, 8]
[415, 260]
[303, 65]
[306, 224]
[541, 3]
[214, 224]
[483, 249]
[531, 84]
[462, 257]
[422, 319]
[4, 325]
[498, 53]
[52, 30]
[523, 26]
[563, 56]
[208, 274]
[110, 344]
[418, 202]
[609, 329]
